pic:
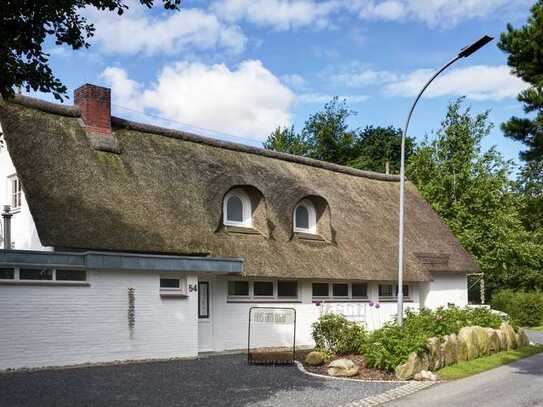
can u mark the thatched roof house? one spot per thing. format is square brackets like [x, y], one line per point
[155, 190]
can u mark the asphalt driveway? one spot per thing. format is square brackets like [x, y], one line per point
[216, 381]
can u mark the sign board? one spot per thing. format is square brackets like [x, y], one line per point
[271, 316]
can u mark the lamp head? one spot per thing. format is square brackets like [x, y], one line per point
[470, 49]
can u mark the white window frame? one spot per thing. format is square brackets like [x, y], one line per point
[331, 296]
[246, 207]
[15, 192]
[394, 292]
[251, 297]
[312, 217]
[174, 291]
[18, 280]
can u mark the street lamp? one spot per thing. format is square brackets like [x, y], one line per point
[464, 53]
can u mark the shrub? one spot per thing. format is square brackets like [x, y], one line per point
[334, 334]
[524, 308]
[390, 346]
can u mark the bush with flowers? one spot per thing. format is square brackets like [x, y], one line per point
[389, 346]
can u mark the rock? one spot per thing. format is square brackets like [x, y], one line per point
[503, 339]
[468, 336]
[510, 336]
[483, 343]
[522, 338]
[494, 345]
[342, 368]
[434, 352]
[449, 349]
[415, 364]
[315, 358]
[425, 375]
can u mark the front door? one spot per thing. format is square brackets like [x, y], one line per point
[205, 319]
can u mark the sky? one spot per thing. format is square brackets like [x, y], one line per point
[237, 69]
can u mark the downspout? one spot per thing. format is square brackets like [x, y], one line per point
[6, 216]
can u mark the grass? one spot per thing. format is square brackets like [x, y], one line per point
[475, 366]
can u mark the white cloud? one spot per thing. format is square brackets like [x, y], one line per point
[364, 77]
[435, 13]
[137, 32]
[126, 92]
[321, 98]
[294, 80]
[479, 82]
[278, 14]
[248, 101]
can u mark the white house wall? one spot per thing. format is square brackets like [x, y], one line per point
[61, 325]
[24, 235]
[445, 289]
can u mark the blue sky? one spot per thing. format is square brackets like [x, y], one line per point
[243, 67]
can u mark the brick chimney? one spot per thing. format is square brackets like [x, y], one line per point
[95, 105]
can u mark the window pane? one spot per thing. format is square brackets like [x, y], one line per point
[7, 274]
[240, 288]
[36, 274]
[287, 289]
[360, 290]
[320, 289]
[234, 209]
[263, 289]
[385, 290]
[405, 290]
[71, 275]
[302, 217]
[169, 283]
[340, 290]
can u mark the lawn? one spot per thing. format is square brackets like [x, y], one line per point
[475, 366]
[536, 328]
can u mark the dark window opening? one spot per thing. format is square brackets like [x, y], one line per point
[340, 290]
[238, 288]
[287, 289]
[263, 289]
[35, 274]
[320, 289]
[169, 283]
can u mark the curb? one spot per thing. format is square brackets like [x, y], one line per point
[390, 395]
[347, 379]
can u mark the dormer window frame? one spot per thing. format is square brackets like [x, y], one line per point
[15, 192]
[311, 215]
[246, 209]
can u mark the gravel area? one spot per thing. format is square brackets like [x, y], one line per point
[214, 381]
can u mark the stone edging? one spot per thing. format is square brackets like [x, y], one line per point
[301, 368]
[393, 394]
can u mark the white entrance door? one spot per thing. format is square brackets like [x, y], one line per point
[205, 318]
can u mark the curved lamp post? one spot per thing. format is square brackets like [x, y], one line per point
[464, 53]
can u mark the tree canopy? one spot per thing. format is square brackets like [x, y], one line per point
[473, 193]
[24, 27]
[326, 136]
[525, 48]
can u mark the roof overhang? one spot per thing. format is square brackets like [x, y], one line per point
[96, 260]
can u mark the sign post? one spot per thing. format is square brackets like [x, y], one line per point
[271, 316]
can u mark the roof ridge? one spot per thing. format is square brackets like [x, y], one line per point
[73, 111]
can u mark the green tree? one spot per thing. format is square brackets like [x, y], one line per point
[326, 136]
[26, 24]
[375, 146]
[525, 49]
[530, 189]
[472, 192]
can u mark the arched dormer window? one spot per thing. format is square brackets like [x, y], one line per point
[237, 209]
[305, 217]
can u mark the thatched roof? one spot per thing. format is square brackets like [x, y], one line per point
[163, 193]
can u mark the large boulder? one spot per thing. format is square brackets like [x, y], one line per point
[437, 360]
[315, 358]
[494, 345]
[415, 364]
[342, 368]
[510, 336]
[425, 375]
[483, 342]
[468, 336]
[449, 349]
[522, 338]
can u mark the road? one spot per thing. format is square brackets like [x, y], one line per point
[519, 384]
